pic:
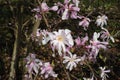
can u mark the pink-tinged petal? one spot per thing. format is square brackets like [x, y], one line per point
[78, 41]
[84, 23]
[73, 15]
[102, 46]
[76, 9]
[84, 40]
[66, 1]
[44, 6]
[30, 68]
[54, 8]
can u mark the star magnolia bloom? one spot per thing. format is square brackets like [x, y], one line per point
[72, 61]
[81, 41]
[47, 69]
[85, 23]
[105, 35]
[103, 74]
[101, 21]
[33, 64]
[68, 10]
[59, 40]
[96, 45]
[43, 8]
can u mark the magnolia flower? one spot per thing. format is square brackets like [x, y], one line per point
[43, 8]
[85, 23]
[81, 41]
[105, 35]
[101, 21]
[103, 74]
[47, 70]
[96, 45]
[68, 10]
[61, 39]
[72, 61]
[33, 64]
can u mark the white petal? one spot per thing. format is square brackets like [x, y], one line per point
[65, 14]
[65, 61]
[112, 39]
[71, 67]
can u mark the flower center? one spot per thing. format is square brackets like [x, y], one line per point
[103, 18]
[72, 60]
[59, 38]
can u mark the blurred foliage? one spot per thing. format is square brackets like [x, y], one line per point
[12, 11]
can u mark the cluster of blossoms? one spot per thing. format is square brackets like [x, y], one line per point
[43, 8]
[103, 74]
[70, 10]
[62, 41]
[35, 65]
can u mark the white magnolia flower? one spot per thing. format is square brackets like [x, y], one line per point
[96, 45]
[47, 70]
[103, 74]
[72, 61]
[105, 35]
[85, 23]
[101, 21]
[33, 64]
[61, 39]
